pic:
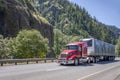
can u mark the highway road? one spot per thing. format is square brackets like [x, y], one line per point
[106, 70]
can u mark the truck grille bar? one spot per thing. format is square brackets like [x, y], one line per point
[63, 55]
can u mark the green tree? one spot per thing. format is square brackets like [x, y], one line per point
[30, 44]
[60, 40]
[118, 47]
[4, 48]
[72, 20]
[1, 37]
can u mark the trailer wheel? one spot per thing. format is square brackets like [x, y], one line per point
[93, 60]
[61, 64]
[96, 60]
[76, 62]
[109, 58]
[113, 58]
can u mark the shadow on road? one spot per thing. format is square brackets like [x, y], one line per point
[91, 64]
[107, 62]
[84, 64]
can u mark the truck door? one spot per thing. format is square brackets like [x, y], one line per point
[84, 51]
[79, 50]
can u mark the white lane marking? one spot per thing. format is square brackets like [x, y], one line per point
[89, 75]
[54, 69]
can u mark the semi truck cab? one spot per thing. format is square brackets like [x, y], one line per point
[74, 54]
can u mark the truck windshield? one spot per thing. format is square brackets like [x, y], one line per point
[72, 47]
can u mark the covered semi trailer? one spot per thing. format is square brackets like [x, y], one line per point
[100, 50]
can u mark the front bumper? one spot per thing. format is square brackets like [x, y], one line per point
[63, 61]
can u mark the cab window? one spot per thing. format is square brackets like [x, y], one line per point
[72, 47]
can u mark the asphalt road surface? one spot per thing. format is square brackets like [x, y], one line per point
[106, 70]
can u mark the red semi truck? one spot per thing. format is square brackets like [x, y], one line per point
[86, 51]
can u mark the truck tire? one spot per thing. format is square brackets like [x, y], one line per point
[93, 60]
[113, 58]
[76, 62]
[88, 61]
[96, 60]
[109, 58]
[61, 64]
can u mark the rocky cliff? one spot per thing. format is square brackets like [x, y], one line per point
[20, 14]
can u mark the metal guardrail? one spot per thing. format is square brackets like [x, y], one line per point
[9, 61]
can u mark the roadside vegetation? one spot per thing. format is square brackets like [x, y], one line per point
[118, 47]
[27, 44]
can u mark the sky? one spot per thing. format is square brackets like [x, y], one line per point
[105, 11]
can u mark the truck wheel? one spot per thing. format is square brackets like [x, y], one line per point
[113, 58]
[96, 60]
[88, 61]
[93, 60]
[61, 64]
[109, 58]
[76, 62]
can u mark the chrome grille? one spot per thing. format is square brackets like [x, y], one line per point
[63, 55]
